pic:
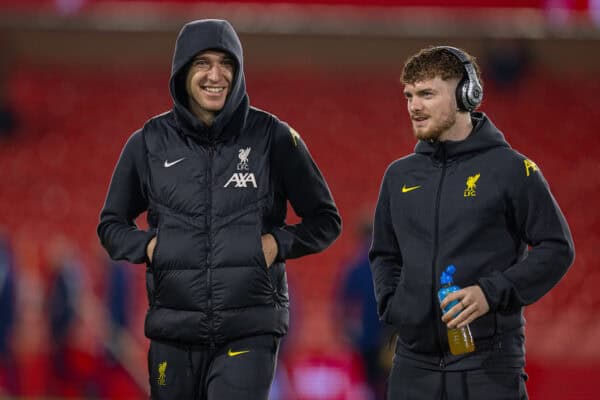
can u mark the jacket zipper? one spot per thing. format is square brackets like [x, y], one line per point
[209, 311]
[436, 309]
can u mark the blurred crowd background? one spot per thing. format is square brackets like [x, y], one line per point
[77, 77]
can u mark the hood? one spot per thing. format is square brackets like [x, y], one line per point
[484, 136]
[195, 37]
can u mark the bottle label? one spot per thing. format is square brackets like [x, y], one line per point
[443, 292]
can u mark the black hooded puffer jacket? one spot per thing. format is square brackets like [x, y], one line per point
[211, 192]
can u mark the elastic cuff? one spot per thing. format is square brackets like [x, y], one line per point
[284, 240]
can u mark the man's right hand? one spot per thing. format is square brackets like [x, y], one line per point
[472, 304]
[150, 248]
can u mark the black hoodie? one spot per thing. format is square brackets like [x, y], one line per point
[195, 37]
[477, 204]
[211, 192]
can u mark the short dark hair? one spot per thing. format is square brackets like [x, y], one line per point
[435, 61]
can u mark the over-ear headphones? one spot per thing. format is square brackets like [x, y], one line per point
[469, 92]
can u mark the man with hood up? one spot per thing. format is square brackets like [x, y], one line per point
[465, 198]
[215, 176]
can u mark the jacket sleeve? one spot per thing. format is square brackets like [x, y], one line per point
[541, 225]
[385, 255]
[304, 186]
[126, 200]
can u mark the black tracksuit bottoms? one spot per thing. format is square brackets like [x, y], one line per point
[242, 370]
[408, 382]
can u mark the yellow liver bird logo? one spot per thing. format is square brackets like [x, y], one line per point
[472, 181]
[471, 186]
[162, 373]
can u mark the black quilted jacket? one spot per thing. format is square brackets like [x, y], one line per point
[210, 193]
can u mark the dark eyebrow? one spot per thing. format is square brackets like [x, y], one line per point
[420, 93]
[226, 57]
[425, 91]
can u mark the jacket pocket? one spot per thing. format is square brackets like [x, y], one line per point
[155, 250]
[393, 312]
[260, 254]
[485, 326]
[262, 262]
[410, 313]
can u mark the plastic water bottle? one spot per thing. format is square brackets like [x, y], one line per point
[459, 339]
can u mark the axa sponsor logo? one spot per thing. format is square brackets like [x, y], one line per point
[242, 179]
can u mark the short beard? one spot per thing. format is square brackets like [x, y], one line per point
[436, 131]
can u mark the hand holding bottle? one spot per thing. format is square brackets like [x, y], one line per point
[470, 305]
[460, 339]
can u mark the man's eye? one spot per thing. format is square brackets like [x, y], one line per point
[200, 63]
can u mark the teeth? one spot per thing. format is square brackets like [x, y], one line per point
[213, 89]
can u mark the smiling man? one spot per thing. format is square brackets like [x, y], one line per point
[208, 80]
[466, 198]
[215, 176]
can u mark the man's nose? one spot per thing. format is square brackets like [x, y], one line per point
[414, 104]
[214, 73]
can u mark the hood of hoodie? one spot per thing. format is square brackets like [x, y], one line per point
[484, 136]
[195, 37]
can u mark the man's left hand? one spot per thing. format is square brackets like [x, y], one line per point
[269, 246]
[472, 304]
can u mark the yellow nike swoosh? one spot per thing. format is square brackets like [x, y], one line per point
[232, 353]
[408, 189]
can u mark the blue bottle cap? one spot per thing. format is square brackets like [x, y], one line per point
[446, 276]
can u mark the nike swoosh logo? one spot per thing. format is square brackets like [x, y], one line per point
[410, 188]
[232, 353]
[170, 164]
